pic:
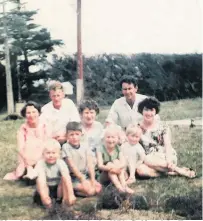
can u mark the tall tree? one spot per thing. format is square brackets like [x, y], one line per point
[29, 45]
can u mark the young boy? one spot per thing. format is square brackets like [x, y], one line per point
[79, 159]
[133, 151]
[53, 179]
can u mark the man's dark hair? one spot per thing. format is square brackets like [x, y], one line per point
[129, 80]
[30, 103]
[149, 103]
[90, 104]
[73, 125]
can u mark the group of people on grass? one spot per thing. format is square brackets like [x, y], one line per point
[69, 153]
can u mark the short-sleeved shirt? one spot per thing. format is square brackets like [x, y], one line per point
[132, 153]
[94, 136]
[77, 155]
[57, 119]
[109, 157]
[53, 172]
[122, 114]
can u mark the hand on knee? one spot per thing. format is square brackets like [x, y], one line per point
[98, 188]
[91, 191]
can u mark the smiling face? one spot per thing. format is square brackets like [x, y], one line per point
[88, 116]
[134, 138]
[56, 97]
[148, 114]
[129, 91]
[51, 154]
[111, 139]
[73, 137]
[31, 114]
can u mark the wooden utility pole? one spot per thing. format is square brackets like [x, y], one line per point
[79, 83]
[9, 87]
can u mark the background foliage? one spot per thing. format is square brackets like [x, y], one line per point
[168, 77]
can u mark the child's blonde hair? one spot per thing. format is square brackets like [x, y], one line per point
[112, 128]
[133, 129]
[52, 143]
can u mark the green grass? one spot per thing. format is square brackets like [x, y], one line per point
[181, 109]
[16, 198]
[171, 110]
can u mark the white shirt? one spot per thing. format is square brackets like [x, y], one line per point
[132, 153]
[122, 114]
[93, 136]
[57, 119]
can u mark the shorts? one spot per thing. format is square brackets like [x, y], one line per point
[52, 194]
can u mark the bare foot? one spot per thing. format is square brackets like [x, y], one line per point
[187, 172]
[129, 190]
[121, 189]
[47, 203]
[130, 180]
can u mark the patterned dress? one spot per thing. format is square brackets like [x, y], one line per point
[152, 141]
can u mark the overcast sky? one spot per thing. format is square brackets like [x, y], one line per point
[124, 26]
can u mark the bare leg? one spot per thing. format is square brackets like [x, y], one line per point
[159, 164]
[43, 191]
[85, 189]
[183, 171]
[115, 180]
[145, 171]
[60, 190]
[121, 177]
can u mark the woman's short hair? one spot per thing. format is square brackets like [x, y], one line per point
[30, 103]
[149, 103]
[74, 126]
[129, 80]
[90, 104]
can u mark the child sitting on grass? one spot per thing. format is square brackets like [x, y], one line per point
[133, 151]
[79, 159]
[53, 179]
[111, 161]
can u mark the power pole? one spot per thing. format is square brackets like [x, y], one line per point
[9, 87]
[80, 82]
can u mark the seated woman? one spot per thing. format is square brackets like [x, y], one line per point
[161, 157]
[30, 138]
[92, 129]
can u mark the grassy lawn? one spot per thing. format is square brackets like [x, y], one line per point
[171, 110]
[166, 196]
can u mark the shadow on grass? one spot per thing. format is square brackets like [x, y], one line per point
[189, 206]
[60, 213]
[110, 198]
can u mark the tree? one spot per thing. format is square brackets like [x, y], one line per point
[29, 45]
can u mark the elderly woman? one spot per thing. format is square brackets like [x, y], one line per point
[156, 140]
[30, 138]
